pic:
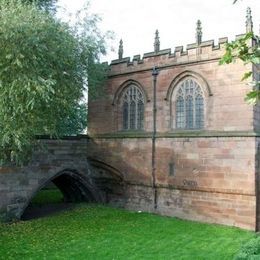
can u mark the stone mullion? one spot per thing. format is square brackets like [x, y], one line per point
[194, 111]
[128, 119]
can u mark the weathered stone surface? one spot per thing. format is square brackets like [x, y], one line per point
[213, 181]
[208, 175]
[71, 172]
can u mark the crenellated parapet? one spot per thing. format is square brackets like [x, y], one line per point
[200, 51]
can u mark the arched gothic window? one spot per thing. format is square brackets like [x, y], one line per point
[189, 106]
[133, 108]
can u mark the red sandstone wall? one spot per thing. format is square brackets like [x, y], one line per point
[225, 110]
[214, 176]
[213, 181]
[257, 178]
[256, 77]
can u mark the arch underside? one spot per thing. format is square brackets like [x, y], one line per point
[74, 188]
[102, 185]
[109, 181]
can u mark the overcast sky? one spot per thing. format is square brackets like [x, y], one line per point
[135, 21]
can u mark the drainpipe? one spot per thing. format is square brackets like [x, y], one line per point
[154, 74]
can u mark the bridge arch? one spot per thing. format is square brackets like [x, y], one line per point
[68, 164]
[74, 185]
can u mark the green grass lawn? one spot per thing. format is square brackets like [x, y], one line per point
[99, 232]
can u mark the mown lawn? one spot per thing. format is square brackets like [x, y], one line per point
[98, 232]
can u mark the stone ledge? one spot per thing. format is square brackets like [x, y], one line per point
[197, 189]
[176, 134]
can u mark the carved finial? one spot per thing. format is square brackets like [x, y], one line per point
[156, 42]
[249, 22]
[120, 50]
[198, 33]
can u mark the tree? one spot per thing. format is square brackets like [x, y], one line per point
[46, 5]
[43, 68]
[247, 49]
[75, 122]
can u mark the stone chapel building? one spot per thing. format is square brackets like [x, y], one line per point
[177, 128]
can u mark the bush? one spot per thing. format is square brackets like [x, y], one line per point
[250, 250]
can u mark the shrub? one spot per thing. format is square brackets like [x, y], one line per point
[250, 250]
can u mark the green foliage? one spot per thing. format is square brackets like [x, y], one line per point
[46, 5]
[95, 82]
[47, 196]
[75, 121]
[242, 49]
[98, 232]
[250, 250]
[247, 49]
[43, 68]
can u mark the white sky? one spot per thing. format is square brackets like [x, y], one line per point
[135, 21]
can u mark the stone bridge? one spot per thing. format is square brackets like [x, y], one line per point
[65, 163]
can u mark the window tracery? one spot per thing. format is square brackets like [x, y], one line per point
[189, 106]
[133, 108]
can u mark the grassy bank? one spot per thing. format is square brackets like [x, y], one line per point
[99, 232]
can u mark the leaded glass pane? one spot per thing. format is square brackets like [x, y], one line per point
[189, 105]
[132, 115]
[140, 114]
[180, 116]
[199, 111]
[125, 115]
[180, 90]
[186, 86]
[133, 108]
[191, 86]
[189, 112]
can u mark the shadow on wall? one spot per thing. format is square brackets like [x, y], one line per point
[109, 181]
